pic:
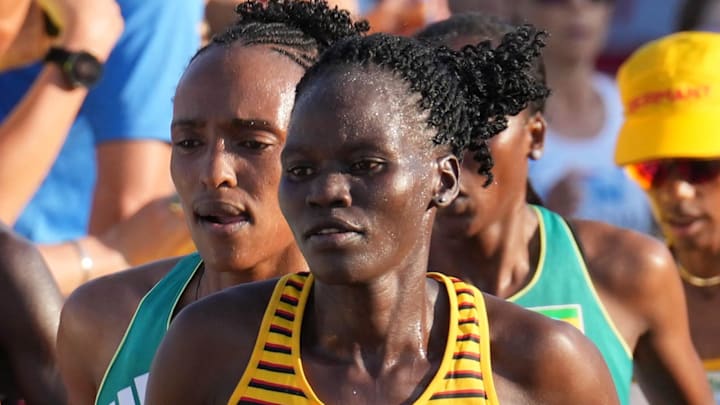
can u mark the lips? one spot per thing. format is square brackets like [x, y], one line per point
[332, 226]
[682, 226]
[221, 215]
[577, 31]
[679, 215]
[681, 221]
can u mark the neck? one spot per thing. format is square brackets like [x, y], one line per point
[571, 85]
[699, 262]
[575, 110]
[216, 277]
[372, 326]
[501, 258]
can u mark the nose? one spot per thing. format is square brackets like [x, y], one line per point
[218, 169]
[676, 189]
[330, 190]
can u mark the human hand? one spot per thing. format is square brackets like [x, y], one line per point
[156, 231]
[93, 26]
[24, 39]
[565, 196]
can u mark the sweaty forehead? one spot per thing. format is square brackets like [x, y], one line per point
[360, 96]
[354, 109]
[253, 81]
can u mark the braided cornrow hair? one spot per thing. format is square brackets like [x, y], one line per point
[465, 94]
[298, 29]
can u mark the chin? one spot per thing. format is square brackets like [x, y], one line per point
[339, 272]
[224, 254]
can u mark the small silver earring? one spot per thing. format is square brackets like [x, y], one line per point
[536, 154]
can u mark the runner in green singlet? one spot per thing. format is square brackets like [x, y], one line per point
[231, 112]
[670, 145]
[604, 280]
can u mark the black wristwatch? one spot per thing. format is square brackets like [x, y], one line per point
[79, 68]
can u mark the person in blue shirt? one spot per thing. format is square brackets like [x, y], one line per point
[113, 163]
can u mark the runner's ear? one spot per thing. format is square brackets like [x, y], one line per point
[536, 127]
[448, 185]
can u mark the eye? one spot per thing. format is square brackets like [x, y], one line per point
[254, 145]
[367, 166]
[187, 144]
[298, 172]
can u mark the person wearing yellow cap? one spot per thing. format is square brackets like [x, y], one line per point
[671, 93]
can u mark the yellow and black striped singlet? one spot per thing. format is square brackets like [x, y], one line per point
[275, 375]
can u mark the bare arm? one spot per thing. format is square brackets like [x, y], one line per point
[77, 347]
[157, 231]
[31, 307]
[642, 291]
[174, 376]
[93, 323]
[575, 371]
[39, 124]
[217, 333]
[127, 234]
[130, 174]
[667, 366]
[537, 360]
[37, 127]
[12, 15]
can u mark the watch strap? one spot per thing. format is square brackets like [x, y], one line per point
[68, 62]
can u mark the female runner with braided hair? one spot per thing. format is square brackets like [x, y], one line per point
[231, 112]
[372, 153]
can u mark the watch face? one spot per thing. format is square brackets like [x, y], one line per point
[85, 70]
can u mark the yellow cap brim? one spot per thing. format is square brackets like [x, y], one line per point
[687, 135]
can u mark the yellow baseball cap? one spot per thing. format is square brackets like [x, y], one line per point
[670, 91]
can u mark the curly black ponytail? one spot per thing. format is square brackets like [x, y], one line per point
[298, 29]
[470, 28]
[465, 94]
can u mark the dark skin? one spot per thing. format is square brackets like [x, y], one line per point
[361, 187]
[31, 302]
[489, 236]
[689, 217]
[231, 111]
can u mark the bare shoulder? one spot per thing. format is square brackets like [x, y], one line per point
[629, 265]
[534, 358]
[95, 316]
[227, 310]
[30, 305]
[219, 332]
[13, 247]
[113, 298]
[25, 280]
